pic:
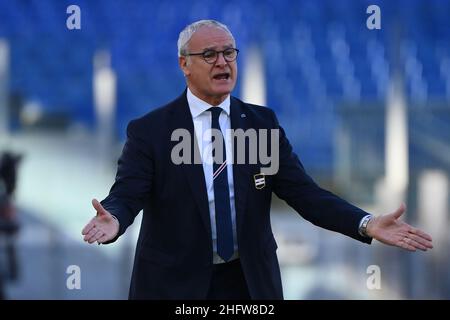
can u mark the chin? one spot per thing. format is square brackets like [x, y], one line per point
[222, 90]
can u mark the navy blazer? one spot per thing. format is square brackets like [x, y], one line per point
[173, 258]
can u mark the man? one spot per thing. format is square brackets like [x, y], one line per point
[206, 231]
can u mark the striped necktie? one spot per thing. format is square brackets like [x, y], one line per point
[225, 246]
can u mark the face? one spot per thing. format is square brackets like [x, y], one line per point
[210, 82]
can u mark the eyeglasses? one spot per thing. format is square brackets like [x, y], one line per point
[210, 56]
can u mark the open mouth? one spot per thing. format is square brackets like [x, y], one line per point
[222, 76]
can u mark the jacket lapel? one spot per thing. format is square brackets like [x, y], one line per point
[241, 172]
[182, 119]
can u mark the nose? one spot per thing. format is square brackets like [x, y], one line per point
[220, 59]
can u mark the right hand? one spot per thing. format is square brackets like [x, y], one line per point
[103, 227]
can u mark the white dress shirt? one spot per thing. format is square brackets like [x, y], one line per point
[202, 126]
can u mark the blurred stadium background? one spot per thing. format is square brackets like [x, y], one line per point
[368, 112]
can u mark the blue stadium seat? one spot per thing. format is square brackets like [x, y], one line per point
[54, 65]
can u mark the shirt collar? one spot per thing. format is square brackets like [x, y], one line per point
[197, 106]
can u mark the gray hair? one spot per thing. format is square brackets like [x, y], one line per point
[189, 31]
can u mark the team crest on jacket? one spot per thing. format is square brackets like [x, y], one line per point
[260, 180]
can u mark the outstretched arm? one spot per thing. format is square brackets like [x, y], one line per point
[133, 182]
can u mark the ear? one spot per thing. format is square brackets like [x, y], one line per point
[182, 61]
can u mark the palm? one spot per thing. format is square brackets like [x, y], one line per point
[104, 222]
[103, 227]
[388, 229]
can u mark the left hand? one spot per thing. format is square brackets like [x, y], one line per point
[389, 230]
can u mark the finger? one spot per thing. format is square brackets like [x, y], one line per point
[405, 245]
[103, 239]
[93, 238]
[416, 244]
[88, 227]
[421, 240]
[97, 206]
[90, 234]
[401, 210]
[421, 234]
[96, 236]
